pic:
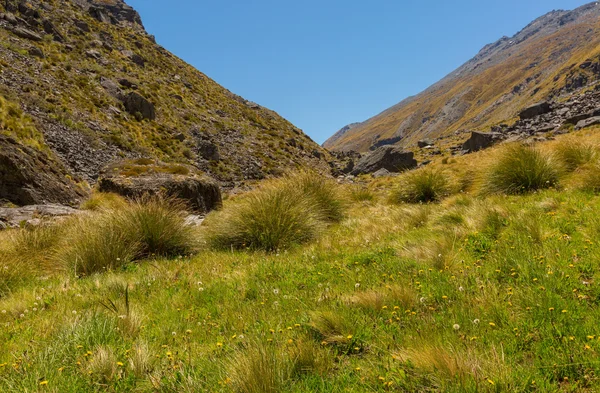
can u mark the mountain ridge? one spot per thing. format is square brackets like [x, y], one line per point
[448, 105]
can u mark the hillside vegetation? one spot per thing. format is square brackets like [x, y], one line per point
[553, 57]
[83, 81]
[478, 283]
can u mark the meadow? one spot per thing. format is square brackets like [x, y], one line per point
[454, 278]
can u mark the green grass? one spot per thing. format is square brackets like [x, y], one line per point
[493, 293]
[521, 169]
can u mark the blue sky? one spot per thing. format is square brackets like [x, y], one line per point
[324, 64]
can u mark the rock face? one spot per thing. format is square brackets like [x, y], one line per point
[535, 110]
[34, 215]
[588, 122]
[391, 158]
[29, 177]
[135, 103]
[480, 140]
[200, 193]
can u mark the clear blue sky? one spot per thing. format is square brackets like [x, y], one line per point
[324, 64]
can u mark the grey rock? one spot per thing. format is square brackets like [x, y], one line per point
[112, 88]
[200, 193]
[93, 54]
[208, 150]
[392, 158]
[535, 110]
[424, 143]
[36, 52]
[27, 34]
[588, 122]
[480, 140]
[10, 18]
[135, 103]
[50, 28]
[34, 215]
[83, 26]
[382, 173]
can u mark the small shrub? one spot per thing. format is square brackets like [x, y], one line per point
[521, 169]
[422, 186]
[574, 154]
[269, 219]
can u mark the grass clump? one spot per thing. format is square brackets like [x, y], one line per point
[290, 211]
[112, 238]
[269, 219]
[422, 186]
[575, 154]
[323, 192]
[259, 369]
[101, 201]
[521, 169]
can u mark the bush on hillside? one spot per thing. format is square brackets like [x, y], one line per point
[521, 169]
[421, 186]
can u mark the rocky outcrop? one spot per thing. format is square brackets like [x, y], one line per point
[139, 106]
[200, 193]
[480, 140]
[34, 215]
[29, 176]
[391, 158]
[535, 110]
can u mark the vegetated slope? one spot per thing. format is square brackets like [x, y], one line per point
[473, 293]
[556, 54]
[93, 87]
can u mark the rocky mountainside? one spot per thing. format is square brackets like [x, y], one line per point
[83, 85]
[555, 56]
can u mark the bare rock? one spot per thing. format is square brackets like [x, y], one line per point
[480, 140]
[588, 122]
[135, 103]
[391, 158]
[535, 110]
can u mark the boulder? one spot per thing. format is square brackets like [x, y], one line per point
[34, 215]
[480, 140]
[382, 173]
[208, 150]
[201, 194]
[588, 122]
[535, 110]
[392, 158]
[29, 176]
[50, 28]
[135, 103]
[27, 34]
[424, 143]
[36, 52]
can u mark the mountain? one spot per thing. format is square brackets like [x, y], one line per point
[555, 56]
[83, 85]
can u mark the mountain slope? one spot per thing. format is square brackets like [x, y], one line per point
[91, 86]
[554, 55]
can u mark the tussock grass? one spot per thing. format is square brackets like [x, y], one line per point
[521, 169]
[450, 363]
[587, 178]
[111, 239]
[324, 193]
[102, 201]
[279, 215]
[421, 186]
[260, 368]
[360, 193]
[390, 297]
[575, 154]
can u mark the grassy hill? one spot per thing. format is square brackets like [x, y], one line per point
[550, 58]
[90, 86]
[303, 285]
